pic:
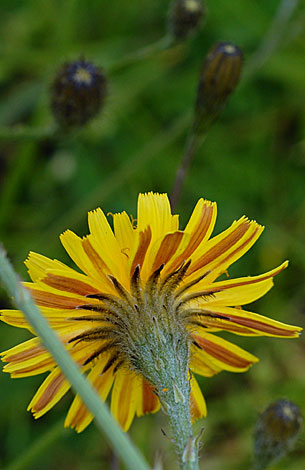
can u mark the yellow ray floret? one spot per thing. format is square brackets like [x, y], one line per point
[135, 275]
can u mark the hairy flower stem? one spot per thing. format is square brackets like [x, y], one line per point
[181, 430]
[164, 361]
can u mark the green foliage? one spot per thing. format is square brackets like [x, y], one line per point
[251, 162]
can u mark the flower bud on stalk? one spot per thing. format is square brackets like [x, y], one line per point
[276, 431]
[185, 17]
[78, 93]
[219, 76]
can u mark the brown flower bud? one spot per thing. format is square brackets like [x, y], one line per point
[78, 93]
[219, 76]
[185, 17]
[276, 431]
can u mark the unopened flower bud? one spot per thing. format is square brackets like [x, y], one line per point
[185, 17]
[276, 431]
[78, 93]
[219, 76]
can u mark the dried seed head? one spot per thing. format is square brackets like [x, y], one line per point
[78, 93]
[276, 431]
[218, 78]
[185, 17]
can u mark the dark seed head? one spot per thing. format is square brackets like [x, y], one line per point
[78, 93]
[276, 431]
[218, 78]
[185, 17]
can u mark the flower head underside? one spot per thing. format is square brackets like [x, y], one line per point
[143, 286]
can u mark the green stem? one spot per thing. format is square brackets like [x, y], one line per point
[163, 359]
[141, 54]
[182, 434]
[105, 422]
[192, 145]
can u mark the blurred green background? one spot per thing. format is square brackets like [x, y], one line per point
[252, 163]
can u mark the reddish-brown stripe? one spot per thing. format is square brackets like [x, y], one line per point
[47, 299]
[260, 326]
[49, 393]
[225, 244]
[69, 285]
[144, 241]
[79, 416]
[168, 248]
[32, 369]
[95, 258]
[245, 282]
[25, 355]
[150, 400]
[221, 324]
[239, 248]
[196, 237]
[222, 354]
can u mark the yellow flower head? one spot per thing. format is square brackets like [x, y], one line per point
[139, 286]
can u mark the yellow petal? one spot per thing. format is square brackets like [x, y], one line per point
[196, 233]
[246, 323]
[125, 396]
[240, 291]
[139, 251]
[198, 406]
[44, 296]
[124, 232]
[52, 389]
[148, 400]
[27, 359]
[105, 244]
[69, 283]
[154, 210]
[89, 263]
[202, 365]
[219, 352]
[220, 252]
[79, 417]
[164, 250]
[38, 265]
[15, 318]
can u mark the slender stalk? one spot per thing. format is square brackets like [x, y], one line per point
[273, 38]
[105, 422]
[141, 54]
[192, 144]
[162, 352]
[182, 434]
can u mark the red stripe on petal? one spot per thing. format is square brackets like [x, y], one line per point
[221, 286]
[95, 258]
[263, 327]
[222, 354]
[220, 248]
[150, 401]
[167, 249]
[47, 299]
[49, 393]
[26, 354]
[144, 241]
[196, 236]
[69, 284]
